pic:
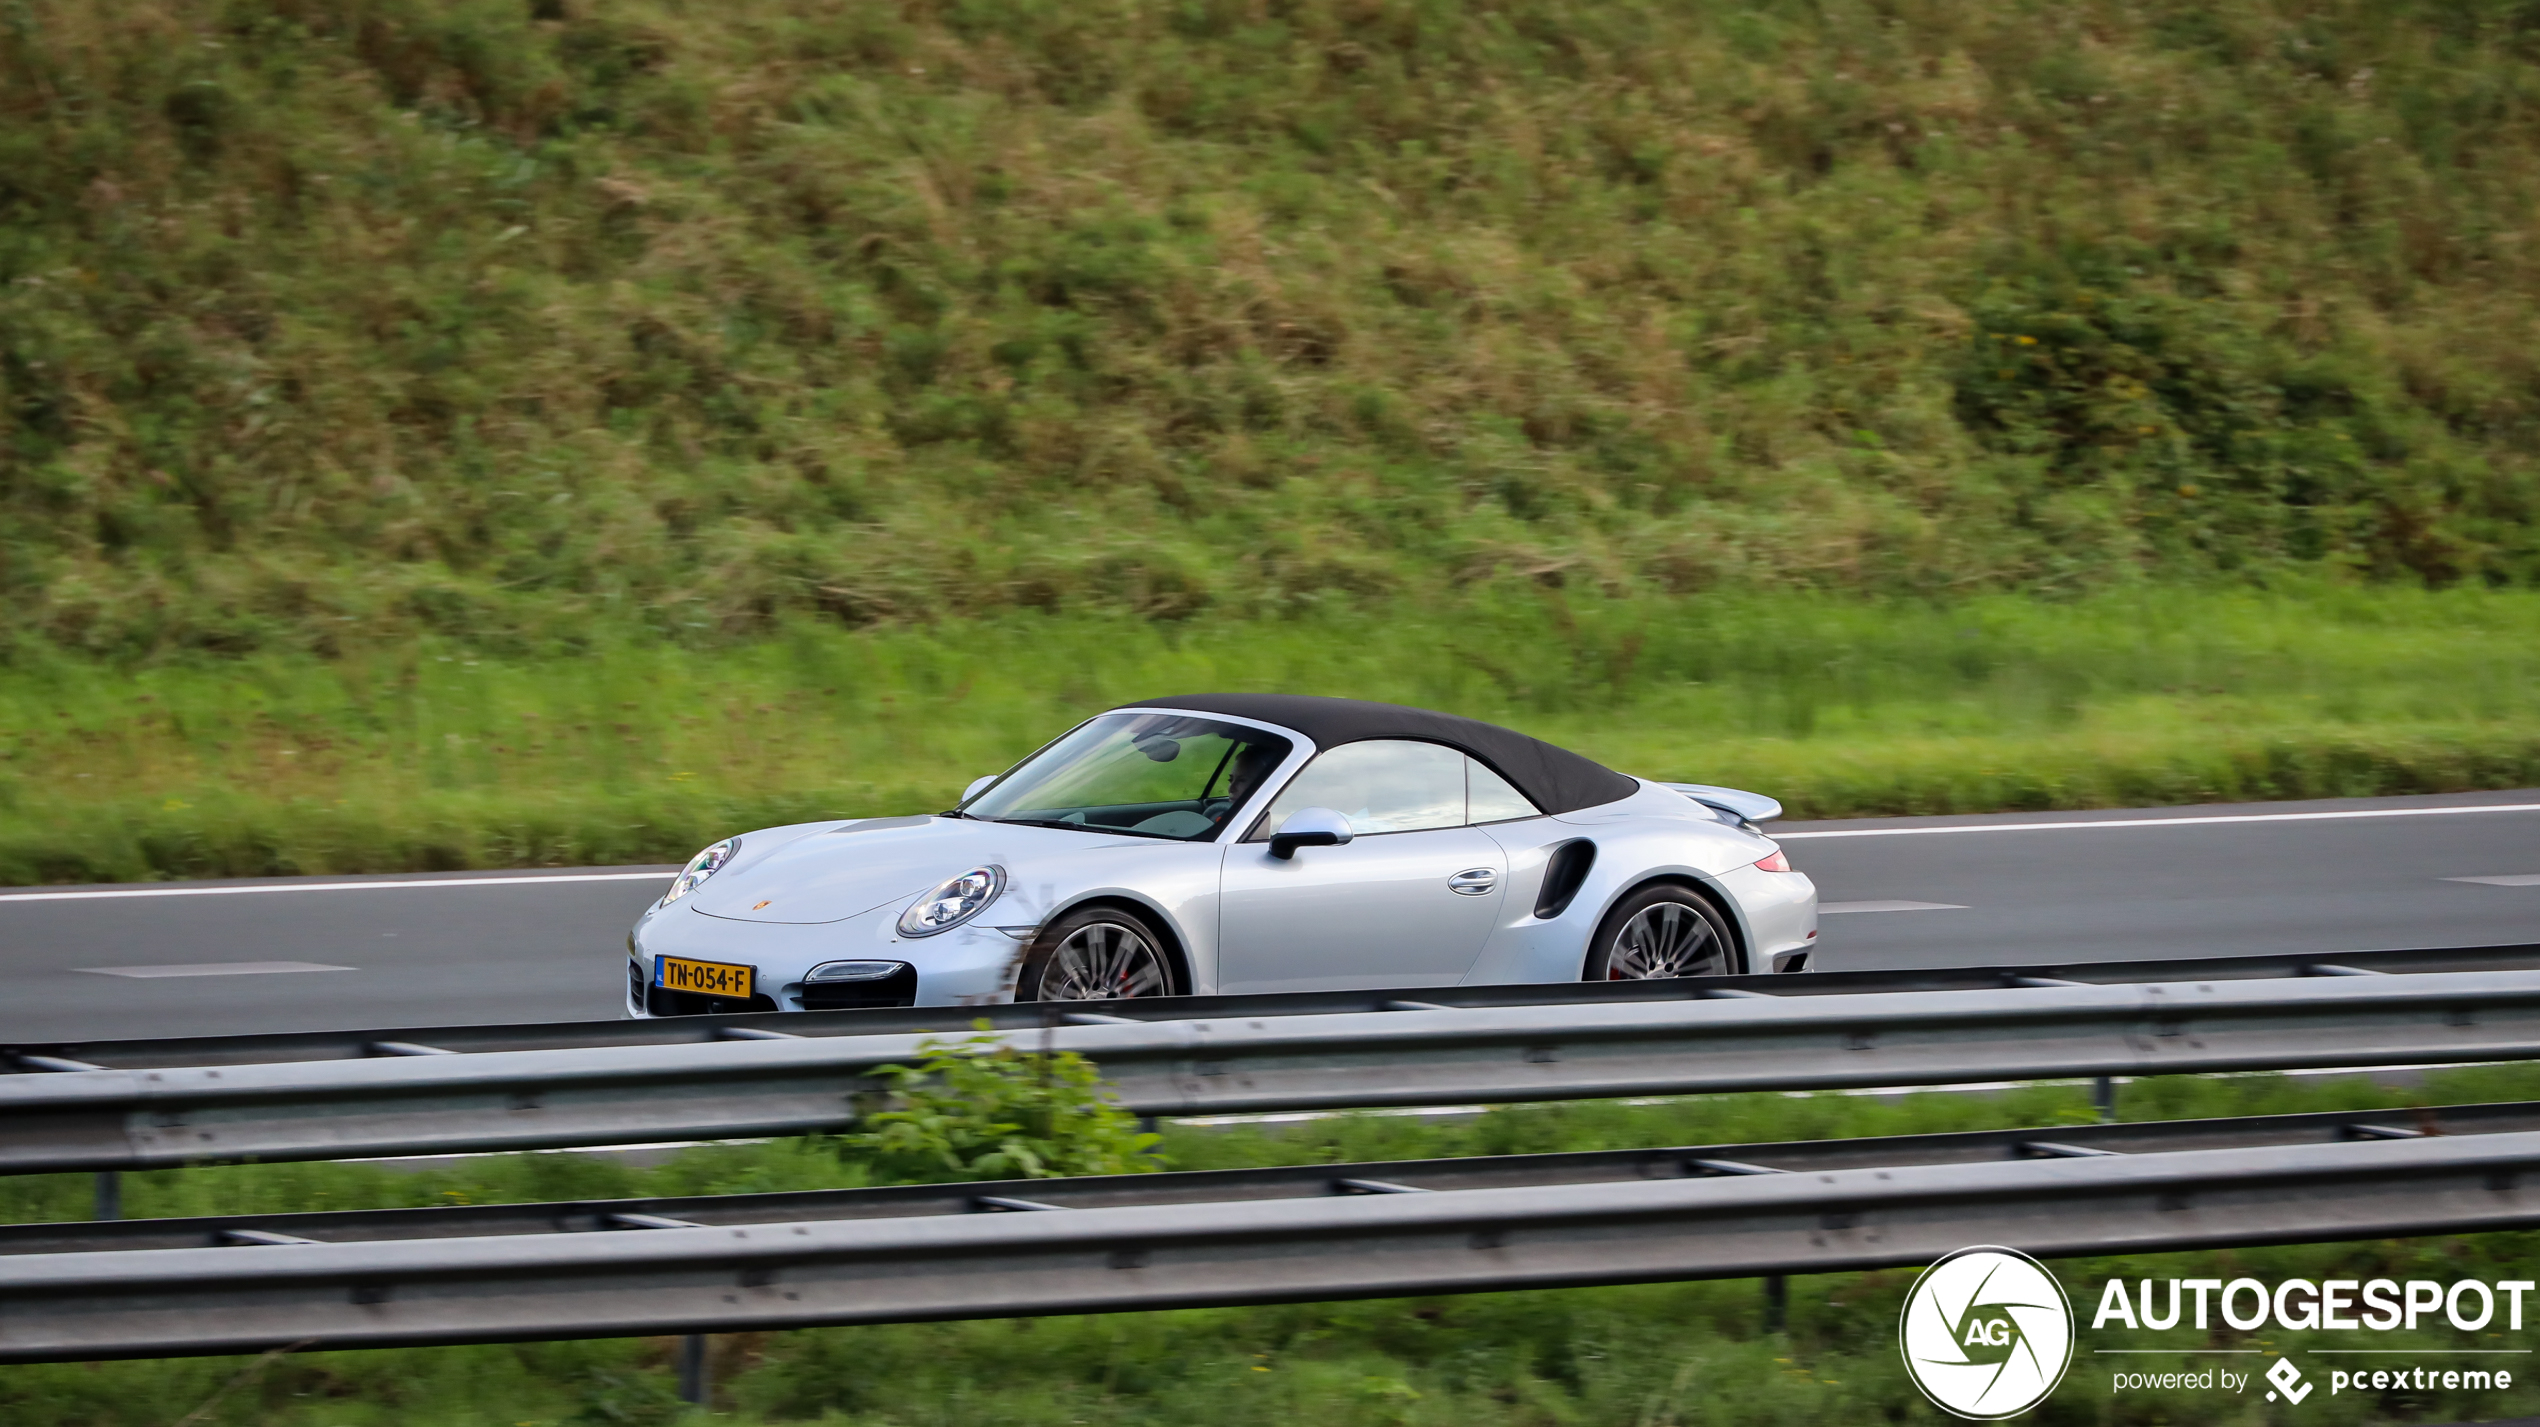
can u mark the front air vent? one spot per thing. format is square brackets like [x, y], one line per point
[897, 989]
[1563, 876]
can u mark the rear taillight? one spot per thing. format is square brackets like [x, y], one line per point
[1775, 863]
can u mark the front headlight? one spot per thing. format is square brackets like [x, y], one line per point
[953, 901]
[700, 867]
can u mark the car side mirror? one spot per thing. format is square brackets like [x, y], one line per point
[1309, 827]
[977, 786]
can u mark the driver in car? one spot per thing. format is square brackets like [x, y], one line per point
[1253, 762]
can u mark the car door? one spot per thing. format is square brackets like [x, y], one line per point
[1407, 902]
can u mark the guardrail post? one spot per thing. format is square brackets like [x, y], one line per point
[109, 1194]
[2103, 1093]
[696, 1370]
[1776, 1303]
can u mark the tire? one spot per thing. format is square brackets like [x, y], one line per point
[1662, 931]
[1099, 954]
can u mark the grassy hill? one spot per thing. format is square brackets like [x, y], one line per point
[1906, 406]
[325, 323]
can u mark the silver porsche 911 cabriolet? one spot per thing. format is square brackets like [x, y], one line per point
[1236, 843]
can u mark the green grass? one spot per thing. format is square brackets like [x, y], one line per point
[531, 323]
[437, 755]
[1644, 1356]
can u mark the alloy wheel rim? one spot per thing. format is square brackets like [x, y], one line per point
[1664, 939]
[1103, 961]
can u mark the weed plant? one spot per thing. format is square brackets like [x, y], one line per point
[978, 1108]
[1671, 1354]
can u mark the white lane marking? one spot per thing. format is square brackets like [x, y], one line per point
[2162, 822]
[2519, 879]
[209, 968]
[329, 887]
[1836, 909]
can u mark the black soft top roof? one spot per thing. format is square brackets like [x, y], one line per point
[1557, 780]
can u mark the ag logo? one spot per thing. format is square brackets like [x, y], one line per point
[1987, 1333]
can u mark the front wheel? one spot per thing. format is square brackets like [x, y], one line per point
[1097, 954]
[1660, 932]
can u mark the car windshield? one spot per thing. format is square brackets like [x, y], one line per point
[1144, 774]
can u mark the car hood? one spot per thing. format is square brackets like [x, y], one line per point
[860, 867]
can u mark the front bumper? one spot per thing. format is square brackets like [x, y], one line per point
[968, 966]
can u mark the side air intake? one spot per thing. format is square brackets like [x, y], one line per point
[1563, 876]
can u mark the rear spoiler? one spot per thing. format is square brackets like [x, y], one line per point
[1739, 806]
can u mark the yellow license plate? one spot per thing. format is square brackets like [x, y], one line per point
[706, 978]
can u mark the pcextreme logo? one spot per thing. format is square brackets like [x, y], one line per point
[1986, 1333]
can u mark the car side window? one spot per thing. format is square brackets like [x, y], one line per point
[1489, 798]
[1381, 785]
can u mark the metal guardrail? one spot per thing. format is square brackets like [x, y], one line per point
[271, 1047]
[1708, 1218]
[498, 1100]
[1305, 1181]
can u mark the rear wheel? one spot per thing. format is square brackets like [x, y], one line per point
[1659, 932]
[1097, 954]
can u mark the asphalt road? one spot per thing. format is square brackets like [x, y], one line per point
[290, 954]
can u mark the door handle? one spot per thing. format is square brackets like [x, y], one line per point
[1474, 883]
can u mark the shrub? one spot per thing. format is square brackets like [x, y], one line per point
[981, 1108]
